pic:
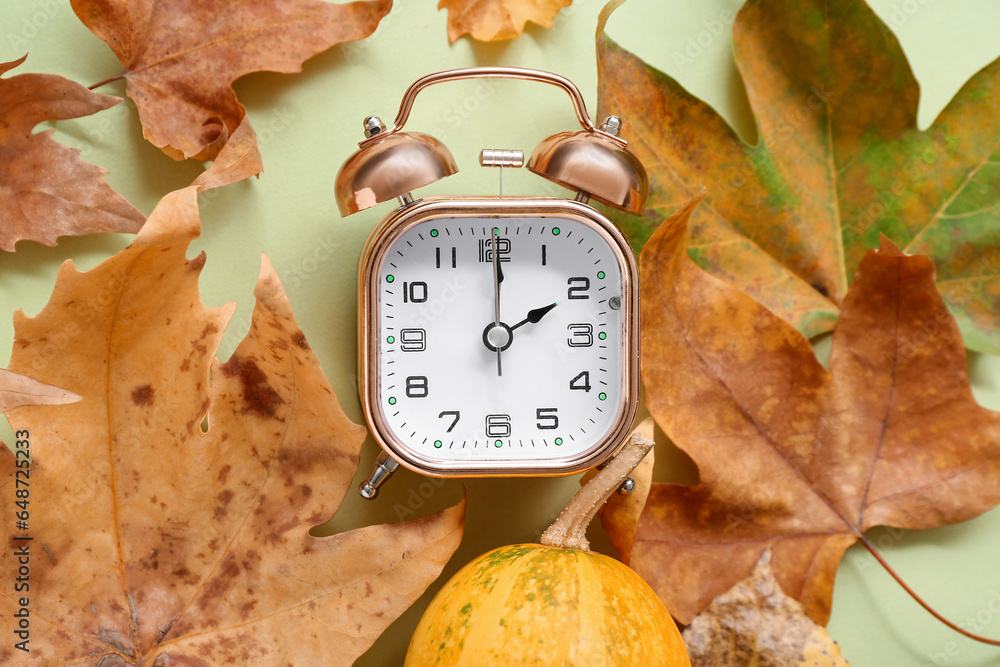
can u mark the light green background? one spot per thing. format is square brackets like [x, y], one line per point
[309, 123]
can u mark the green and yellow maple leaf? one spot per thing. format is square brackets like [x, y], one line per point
[840, 160]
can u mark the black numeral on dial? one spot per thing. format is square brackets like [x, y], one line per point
[498, 426]
[454, 257]
[451, 413]
[412, 340]
[578, 292]
[416, 386]
[581, 382]
[547, 419]
[415, 292]
[580, 335]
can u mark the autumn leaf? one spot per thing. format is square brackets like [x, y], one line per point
[17, 390]
[791, 456]
[494, 20]
[620, 514]
[46, 190]
[840, 160]
[157, 540]
[755, 623]
[181, 58]
[239, 159]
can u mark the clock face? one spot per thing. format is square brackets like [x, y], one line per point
[542, 388]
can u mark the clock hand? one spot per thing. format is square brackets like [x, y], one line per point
[497, 277]
[535, 316]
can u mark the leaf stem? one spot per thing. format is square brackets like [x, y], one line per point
[569, 531]
[913, 594]
[108, 80]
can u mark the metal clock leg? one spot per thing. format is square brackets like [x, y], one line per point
[384, 466]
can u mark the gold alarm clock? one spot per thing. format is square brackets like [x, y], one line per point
[498, 335]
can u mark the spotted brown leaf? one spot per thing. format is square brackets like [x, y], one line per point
[171, 508]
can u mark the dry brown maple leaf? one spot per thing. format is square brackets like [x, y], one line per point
[494, 20]
[756, 624]
[46, 190]
[181, 58]
[154, 542]
[792, 456]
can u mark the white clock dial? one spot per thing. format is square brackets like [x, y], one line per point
[556, 392]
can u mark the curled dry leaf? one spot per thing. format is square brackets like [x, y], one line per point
[46, 190]
[239, 159]
[494, 20]
[791, 456]
[839, 161]
[755, 623]
[181, 58]
[620, 514]
[157, 541]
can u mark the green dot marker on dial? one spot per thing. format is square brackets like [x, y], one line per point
[600, 274]
[555, 231]
[392, 400]
[437, 443]
[602, 396]
[558, 441]
[602, 335]
[498, 443]
[391, 339]
[389, 278]
[434, 233]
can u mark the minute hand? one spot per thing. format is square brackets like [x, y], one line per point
[497, 279]
[534, 316]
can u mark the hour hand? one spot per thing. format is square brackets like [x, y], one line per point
[535, 315]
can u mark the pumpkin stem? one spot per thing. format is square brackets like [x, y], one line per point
[569, 531]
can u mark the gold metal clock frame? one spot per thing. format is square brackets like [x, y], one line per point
[390, 164]
[481, 208]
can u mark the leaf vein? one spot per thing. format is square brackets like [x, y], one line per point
[954, 195]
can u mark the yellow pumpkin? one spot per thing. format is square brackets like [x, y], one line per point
[551, 604]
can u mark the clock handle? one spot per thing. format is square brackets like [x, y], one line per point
[390, 163]
[495, 73]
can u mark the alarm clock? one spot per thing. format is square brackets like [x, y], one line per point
[497, 335]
